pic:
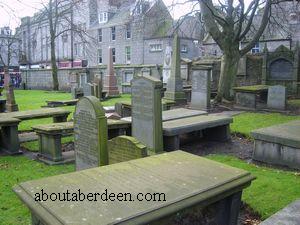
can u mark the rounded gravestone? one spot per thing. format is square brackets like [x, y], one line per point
[90, 129]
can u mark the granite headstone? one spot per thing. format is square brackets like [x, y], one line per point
[277, 97]
[147, 112]
[90, 129]
[201, 89]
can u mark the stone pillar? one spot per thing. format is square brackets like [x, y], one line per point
[174, 85]
[110, 80]
[11, 105]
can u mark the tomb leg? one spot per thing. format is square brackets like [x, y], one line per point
[50, 147]
[221, 133]
[59, 119]
[228, 210]
[35, 220]
[171, 143]
[9, 139]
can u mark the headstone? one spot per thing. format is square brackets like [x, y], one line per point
[98, 86]
[90, 129]
[77, 92]
[174, 86]
[167, 64]
[110, 80]
[125, 148]
[147, 112]
[277, 97]
[88, 89]
[11, 105]
[201, 89]
[242, 67]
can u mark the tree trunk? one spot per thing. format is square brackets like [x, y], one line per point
[54, 66]
[229, 67]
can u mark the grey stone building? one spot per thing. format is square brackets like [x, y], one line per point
[137, 30]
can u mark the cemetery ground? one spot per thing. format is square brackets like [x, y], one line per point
[274, 188]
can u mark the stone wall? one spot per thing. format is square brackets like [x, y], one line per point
[42, 78]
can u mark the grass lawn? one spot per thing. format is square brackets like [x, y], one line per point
[34, 99]
[271, 191]
[246, 122]
[14, 170]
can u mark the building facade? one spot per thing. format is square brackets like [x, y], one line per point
[137, 30]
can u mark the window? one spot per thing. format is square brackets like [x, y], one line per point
[99, 56]
[155, 47]
[113, 33]
[99, 35]
[255, 49]
[184, 49]
[128, 31]
[113, 54]
[65, 38]
[127, 54]
[103, 17]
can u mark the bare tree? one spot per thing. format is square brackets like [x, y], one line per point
[231, 22]
[9, 50]
[59, 17]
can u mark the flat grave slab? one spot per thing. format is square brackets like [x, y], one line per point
[185, 179]
[37, 114]
[176, 114]
[279, 144]
[58, 103]
[189, 124]
[290, 215]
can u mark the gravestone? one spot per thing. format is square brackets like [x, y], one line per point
[167, 64]
[242, 67]
[125, 148]
[110, 80]
[11, 105]
[90, 131]
[277, 97]
[88, 89]
[147, 112]
[98, 86]
[201, 80]
[174, 90]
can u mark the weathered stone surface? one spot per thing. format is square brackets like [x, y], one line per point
[90, 128]
[281, 69]
[167, 64]
[174, 90]
[176, 114]
[277, 97]
[38, 114]
[147, 112]
[185, 179]
[245, 99]
[284, 134]
[11, 105]
[110, 79]
[201, 82]
[189, 124]
[9, 140]
[279, 145]
[290, 215]
[125, 148]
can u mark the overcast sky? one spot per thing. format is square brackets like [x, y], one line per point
[12, 10]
